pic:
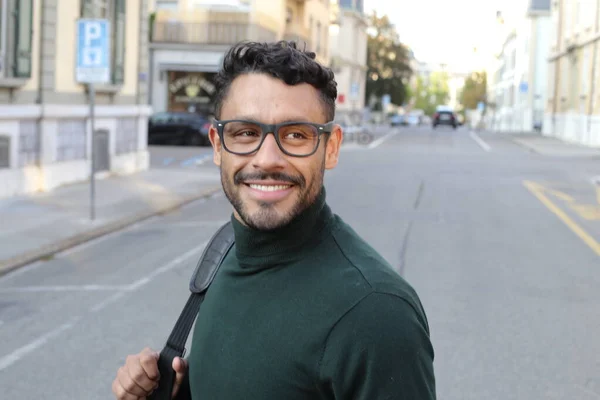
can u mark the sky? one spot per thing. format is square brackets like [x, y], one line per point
[442, 30]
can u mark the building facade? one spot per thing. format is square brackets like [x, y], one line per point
[518, 81]
[348, 38]
[573, 106]
[45, 129]
[189, 39]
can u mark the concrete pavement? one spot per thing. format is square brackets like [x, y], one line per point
[37, 226]
[551, 146]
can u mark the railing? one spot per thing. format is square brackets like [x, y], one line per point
[209, 32]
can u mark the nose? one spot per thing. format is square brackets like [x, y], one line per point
[269, 155]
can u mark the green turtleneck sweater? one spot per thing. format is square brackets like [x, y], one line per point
[310, 311]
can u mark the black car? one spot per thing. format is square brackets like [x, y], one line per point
[445, 118]
[179, 128]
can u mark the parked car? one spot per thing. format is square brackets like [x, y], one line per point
[445, 117]
[397, 120]
[413, 120]
[179, 128]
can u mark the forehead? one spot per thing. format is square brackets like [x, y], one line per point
[271, 100]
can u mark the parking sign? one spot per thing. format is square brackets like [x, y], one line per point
[93, 51]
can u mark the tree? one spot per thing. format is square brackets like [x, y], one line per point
[388, 62]
[474, 90]
[432, 92]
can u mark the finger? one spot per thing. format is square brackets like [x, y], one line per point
[120, 392]
[149, 362]
[137, 373]
[132, 384]
[180, 365]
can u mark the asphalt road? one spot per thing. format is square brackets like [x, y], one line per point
[501, 245]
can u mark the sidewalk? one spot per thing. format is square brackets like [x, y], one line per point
[549, 146]
[37, 226]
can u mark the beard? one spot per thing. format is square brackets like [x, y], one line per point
[267, 217]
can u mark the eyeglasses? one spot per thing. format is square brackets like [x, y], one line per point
[297, 139]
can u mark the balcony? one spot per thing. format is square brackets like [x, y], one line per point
[212, 28]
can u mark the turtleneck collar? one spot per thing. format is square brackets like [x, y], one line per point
[266, 248]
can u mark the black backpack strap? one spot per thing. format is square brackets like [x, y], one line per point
[208, 266]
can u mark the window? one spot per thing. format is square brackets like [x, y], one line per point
[588, 14]
[127, 136]
[290, 15]
[564, 81]
[554, 29]
[71, 140]
[114, 10]
[29, 143]
[585, 70]
[169, 5]
[16, 33]
[4, 152]
[567, 19]
[577, 15]
[551, 79]
[318, 47]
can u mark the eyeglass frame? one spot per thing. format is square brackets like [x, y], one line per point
[266, 129]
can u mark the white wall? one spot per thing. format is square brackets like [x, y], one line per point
[543, 36]
[50, 173]
[349, 45]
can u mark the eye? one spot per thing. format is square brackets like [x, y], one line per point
[246, 133]
[295, 135]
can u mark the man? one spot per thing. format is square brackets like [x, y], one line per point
[301, 308]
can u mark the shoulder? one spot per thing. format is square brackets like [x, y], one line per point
[382, 319]
[383, 341]
[376, 273]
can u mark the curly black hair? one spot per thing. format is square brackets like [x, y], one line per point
[282, 60]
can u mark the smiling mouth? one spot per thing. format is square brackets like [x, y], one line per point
[269, 188]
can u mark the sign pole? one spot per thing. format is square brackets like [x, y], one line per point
[92, 91]
[92, 67]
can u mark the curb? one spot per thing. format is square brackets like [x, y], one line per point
[51, 249]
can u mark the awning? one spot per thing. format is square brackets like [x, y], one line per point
[188, 67]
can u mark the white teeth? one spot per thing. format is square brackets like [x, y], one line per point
[269, 188]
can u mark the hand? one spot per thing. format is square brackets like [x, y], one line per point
[139, 377]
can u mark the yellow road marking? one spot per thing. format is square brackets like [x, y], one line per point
[538, 191]
[560, 195]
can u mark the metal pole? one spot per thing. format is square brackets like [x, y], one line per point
[92, 156]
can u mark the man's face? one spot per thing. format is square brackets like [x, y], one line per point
[268, 188]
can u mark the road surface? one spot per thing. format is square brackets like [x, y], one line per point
[501, 245]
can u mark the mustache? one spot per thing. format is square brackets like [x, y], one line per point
[240, 177]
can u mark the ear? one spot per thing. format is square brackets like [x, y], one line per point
[332, 150]
[215, 140]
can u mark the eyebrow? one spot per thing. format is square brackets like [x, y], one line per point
[253, 119]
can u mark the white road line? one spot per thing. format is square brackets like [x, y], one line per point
[108, 301]
[167, 267]
[147, 279]
[21, 352]
[480, 141]
[382, 139]
[64, 288]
